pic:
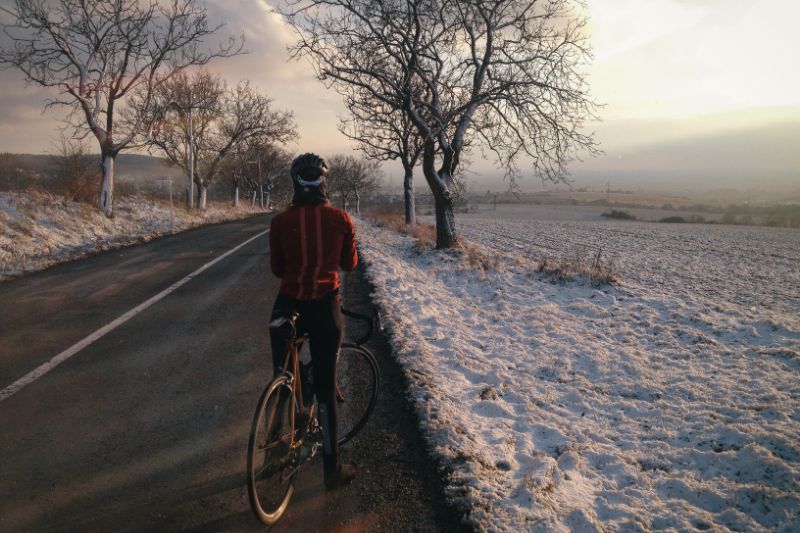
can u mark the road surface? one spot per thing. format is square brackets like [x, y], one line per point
[145, 428]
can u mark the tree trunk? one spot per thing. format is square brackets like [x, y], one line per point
[235, 196]
[445, 221]
[358, 203]
[267, 201]
[439, 183]
[408, 197]
[107, 187]
[201, 201]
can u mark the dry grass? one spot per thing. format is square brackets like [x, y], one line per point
[425, 234]
[598, 272]
[477, 256]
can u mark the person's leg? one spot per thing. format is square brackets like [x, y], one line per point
[325, 337]
[279, 337]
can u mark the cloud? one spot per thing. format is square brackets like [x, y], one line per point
[291, 83]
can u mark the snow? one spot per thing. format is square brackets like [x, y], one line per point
[667, 401]
[38, 230]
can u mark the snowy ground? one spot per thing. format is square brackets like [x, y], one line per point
[38, 230]
[669, 401]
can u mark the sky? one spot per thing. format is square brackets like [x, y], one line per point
[693, 92]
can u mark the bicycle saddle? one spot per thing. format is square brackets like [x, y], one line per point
[290, 319]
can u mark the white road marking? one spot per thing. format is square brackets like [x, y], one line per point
[43, 369]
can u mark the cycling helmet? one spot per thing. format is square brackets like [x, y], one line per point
[309, 170]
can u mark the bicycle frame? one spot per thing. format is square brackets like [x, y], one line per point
[292, 361]
[291, 365]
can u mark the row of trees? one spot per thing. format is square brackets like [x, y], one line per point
[262, 173]
[425, 81]
[123, 67]
[207, 128]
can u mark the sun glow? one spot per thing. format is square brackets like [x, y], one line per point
[673, 59]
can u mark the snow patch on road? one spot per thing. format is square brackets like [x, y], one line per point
[568, 407]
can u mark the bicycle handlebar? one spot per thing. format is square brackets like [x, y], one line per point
[373, 322]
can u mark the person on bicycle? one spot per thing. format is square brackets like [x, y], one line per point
[309, 242]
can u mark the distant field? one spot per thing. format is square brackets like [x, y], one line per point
[748, 266]
[577, 212]
[643, 199]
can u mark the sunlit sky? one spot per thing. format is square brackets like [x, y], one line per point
[694, 90]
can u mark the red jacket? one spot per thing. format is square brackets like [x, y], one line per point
[308, 245]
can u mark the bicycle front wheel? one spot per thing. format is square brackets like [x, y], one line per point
[357, 387]
[270, 474]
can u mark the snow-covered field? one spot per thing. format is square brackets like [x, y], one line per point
[38, 230]
[669, 401]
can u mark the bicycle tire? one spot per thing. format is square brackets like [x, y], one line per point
[268, 452]
[358, 383]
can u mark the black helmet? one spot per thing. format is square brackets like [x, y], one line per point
[308, 169]
[308, 178]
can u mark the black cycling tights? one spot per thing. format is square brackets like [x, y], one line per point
[322, 321]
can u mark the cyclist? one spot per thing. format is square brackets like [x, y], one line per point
[309, 242]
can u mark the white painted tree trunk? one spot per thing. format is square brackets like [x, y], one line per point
[236, 196]
[201, 204]
[358, 203]
[107, 187]
[267, 201]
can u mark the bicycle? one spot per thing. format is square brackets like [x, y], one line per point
[285, 433]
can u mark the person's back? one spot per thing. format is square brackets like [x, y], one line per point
[309, 242]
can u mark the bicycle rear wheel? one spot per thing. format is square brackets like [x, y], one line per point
[357, 387]
[270, 474]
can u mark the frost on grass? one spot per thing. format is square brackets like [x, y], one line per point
[38, 230]
[571, 407]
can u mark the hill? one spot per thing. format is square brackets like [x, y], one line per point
[128, 166]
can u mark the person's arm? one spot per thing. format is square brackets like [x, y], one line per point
[275, 252]
[349, 258]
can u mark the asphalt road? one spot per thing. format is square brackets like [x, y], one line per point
[145, 429]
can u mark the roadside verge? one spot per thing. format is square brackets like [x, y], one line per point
[39, 230]
[401, 487]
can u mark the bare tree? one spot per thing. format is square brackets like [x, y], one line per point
[384, 133]
[503, 73]
[235, 167]
[99, 53]
[198, 97]
[232, 119]
[351, 178]
[260, 169]
[274, 163]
